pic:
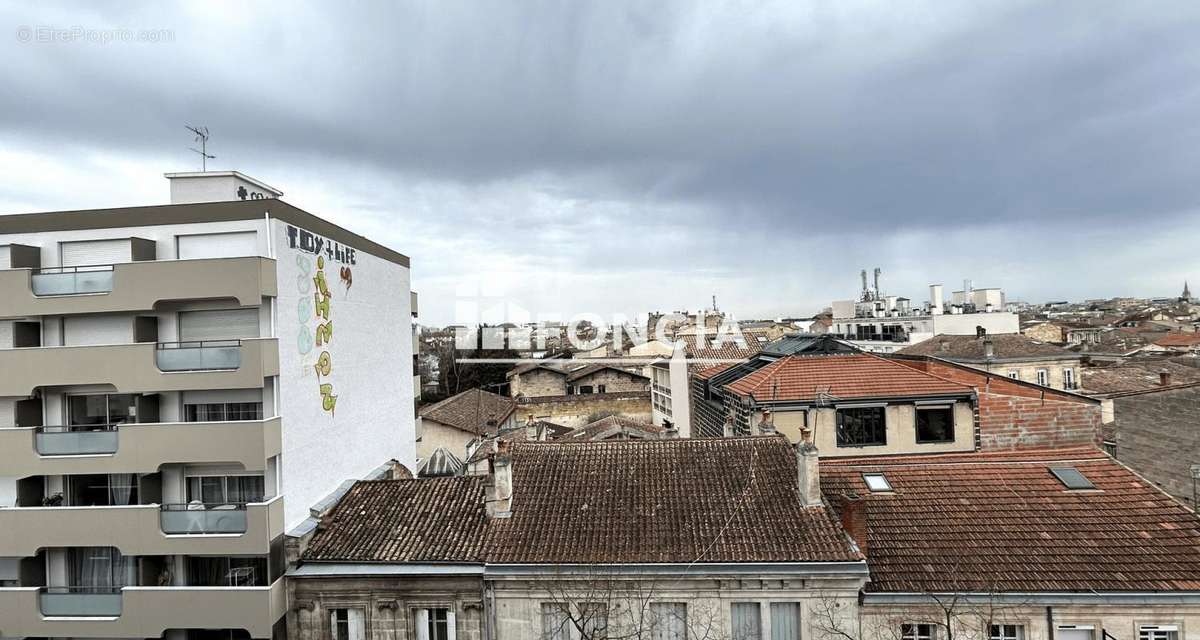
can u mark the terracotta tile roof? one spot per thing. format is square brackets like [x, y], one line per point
[612, 427]
[1136, 375]
[702, 354]
[645, 501]
[588, 370]
[991, 522]
[1004, 345]
[705, 374]
[426, 520]
[1179, 340]
[471, 410]
[843, 377]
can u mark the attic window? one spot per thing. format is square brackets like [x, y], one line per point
[876, 482]
[1071, 478]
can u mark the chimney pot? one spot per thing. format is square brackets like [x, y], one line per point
[766, 426]
[989, 350]
[854, 519]
[808, 471]
[500, 483]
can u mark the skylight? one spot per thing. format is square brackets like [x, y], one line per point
[876, 482]
[1071, 478]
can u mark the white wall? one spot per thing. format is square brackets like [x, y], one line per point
[370, 372]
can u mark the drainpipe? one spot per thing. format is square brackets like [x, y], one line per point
[1049, 623]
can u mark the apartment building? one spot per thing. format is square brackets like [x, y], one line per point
[179, 384]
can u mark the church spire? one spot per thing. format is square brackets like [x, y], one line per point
[1187, 295]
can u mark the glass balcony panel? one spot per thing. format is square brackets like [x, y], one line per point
[200, 519]
[79, 602]
[199, 356]
[65, 283]
[63, 441]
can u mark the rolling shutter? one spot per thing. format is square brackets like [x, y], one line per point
[97, 329]
[217, 245]
[95, 252]
[224, 324]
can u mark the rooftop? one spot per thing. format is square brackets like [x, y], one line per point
[1136, 375]
[993, 522]
[613, 427]
[471, 410]
[841, 377]
[425, 520]
[1005, 346]
[662, 501]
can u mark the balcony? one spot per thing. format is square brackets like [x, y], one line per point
[134, 286]
[144, 530]
[137, 447]
[141, 612]
[135, 368]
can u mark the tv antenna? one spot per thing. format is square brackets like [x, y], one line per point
[202, 138]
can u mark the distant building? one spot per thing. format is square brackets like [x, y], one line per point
[458, 420]
[1013, 355]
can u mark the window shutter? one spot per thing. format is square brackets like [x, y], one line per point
[224, 324]
[95, 252]
[354, 619]
[422, 624]
[217, 245]
[450, 631]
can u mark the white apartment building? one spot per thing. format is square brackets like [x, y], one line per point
[178, 385]
[884, 323]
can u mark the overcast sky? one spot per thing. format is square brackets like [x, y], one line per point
[604, 157]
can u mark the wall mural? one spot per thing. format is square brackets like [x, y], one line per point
[316, 324]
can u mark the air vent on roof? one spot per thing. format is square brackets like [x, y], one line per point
[1071, 478]
[877, 482]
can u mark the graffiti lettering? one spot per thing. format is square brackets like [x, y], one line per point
[324, 333]
[328, 400]
[312, 243]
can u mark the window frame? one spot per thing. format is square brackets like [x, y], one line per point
[424, 621]
[733, 632]
[1043, 377]
[947, 408]
[840, 414]
[1171, 632]
[1019, 631]
[334, 623]
[915, 634]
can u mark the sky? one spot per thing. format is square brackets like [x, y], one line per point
[562, 158]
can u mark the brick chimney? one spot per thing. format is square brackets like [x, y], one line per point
[1164, 378]
[854, 519]
[500, 482]
[807, 470]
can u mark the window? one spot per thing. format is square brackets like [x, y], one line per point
[1110, 447]
[916, 632]
[599, 388]
[1014, 374]
[1074, 632]
[346, 624]
[222, 411]
[1072, 478]
[435, 624]
[670, 620]
[785, 621]
[227, 571]
[585, 389]
[213, 490]
[1043, 377]
[746, 621]
[99, 410]
[1006, 632]
[1158, 632]
[1068, 378]
[861, 427]
[562, 621]
[877, 482]
[102, 490]
[935, 424]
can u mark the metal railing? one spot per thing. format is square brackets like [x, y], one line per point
[198, 355]
[76, 440]
[197, 518]
[67, 281]
[100, 602]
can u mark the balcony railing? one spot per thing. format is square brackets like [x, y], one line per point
[76, 440]
[69, 281]
[198, 355]
[200, 519]
[80, 602]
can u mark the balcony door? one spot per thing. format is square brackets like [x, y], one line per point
[99, 410]
[99, 490]
[100, 569]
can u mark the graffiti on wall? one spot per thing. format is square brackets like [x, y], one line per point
[315, 306]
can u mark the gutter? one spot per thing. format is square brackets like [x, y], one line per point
[339, 569]
[854, 568]
[1041, 598]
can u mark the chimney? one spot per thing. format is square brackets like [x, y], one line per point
[980, 331]
[531, 430]
[806, 467]
[766, 426]
[218, 186]
[670, 431]
[989, 350]
[1164, 378]
[854, 519]
[935, 299]
[728, 425]
[500, 483]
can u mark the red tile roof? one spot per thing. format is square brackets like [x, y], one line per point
[1178, 340]
[426, 520]
[670, 501]
[843, 377]
[992, 522]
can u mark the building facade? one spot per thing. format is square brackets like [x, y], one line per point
[179, 384]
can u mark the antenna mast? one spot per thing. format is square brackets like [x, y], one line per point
[201, 137]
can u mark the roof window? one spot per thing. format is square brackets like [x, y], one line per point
[877, 482]
[1071, 478]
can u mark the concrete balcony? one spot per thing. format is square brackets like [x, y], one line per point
[134, 286]
[134, 368]
[139, 530]
[140, 612]
[138, 448]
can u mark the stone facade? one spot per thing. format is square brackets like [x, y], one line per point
[388, 605]
[537, 383]
[1045, 332]
[573, 411]
[1158, 435]
[433, 435]
[1107, 620]
[611, 381]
